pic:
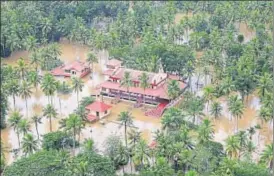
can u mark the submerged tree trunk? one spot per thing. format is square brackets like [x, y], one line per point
[126, 134]
[26, 107]
[60, 105]
[74, 139]
[50, 125]
[18, 137]
[13, 96]
[37, 130]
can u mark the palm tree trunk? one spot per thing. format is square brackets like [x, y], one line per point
[18, 137]
[78, 98]
[26, 106]
[50, 125]
[237, 124]
[37, 130]
[126, 134]
[13, 96]
[128, 95]
[60, 105]
[74, 139]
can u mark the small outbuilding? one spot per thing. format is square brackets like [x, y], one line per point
[97, 110]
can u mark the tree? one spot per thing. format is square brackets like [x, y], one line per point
[14, 121]
[126, 82]
[144, 83]
[91, 58]
[173, 89]
[134, 137]
[267, 156]
[236, 108]
[264, 83]
[35, 59]
[29, 144]
[172, 119]
[73, 123]
[208, 95]
[126, 120]
[50, 112]
[21, 68]
[162, 168]
[13, 88]
[141, 154]
[36, 120]
[24, 126]
[88, 145]
[205, 131]
[25, 92]
[216, 110]
[232, 146]
[49, 86]
[122, 156]
[77, 86]
[58, 140]
[34, 79]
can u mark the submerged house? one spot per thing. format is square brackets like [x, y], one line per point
[76, 68]
[97, 111]
[155, 94]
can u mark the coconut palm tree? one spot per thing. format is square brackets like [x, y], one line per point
[50, 112]
[205, 131]
[232, 146]
[216, 110]
[29, 144]
[14, 121]
[49, 86]
[36, 120]
[35, 59]
[134, 136]
[126, 120]
[25, 92]
[267, 156]
[24, 126]
[88, 145]
[144, 83]
[264, 84]
[172, 119]
[122, 156]
[34, 79]
[21, 67]
[208, 95]
[173, 89]
[13, 88]
[249, 150]
[91, 58]
[126, 82]
[73, 123]
[141, 153]
[77, 86]
[236, 108]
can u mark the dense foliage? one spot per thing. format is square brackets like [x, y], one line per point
[206, 46]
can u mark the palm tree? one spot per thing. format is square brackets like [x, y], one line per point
[91, 58]
[265, 83]
[236, 108]
[13, 121]
[24, 126]
[29, 144]
[126, 82]
[141, 153]
[25, 92]
[172, 119]
[77, 86]
[232, 146]
[267, 156]
[216, 110]
[34, 79]
[134, 136]
[173, 89]
[122, 156]
[73, 122]
[50, 112]
[35, 59]
[21, 67]
[144, 83]
[48, 85]
[13, 88]
[208, 95]
[205, 131]
[36, 120]
[88, 145]
[126, 120]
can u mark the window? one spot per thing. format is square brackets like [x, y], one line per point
[97, 114]
[106, 112]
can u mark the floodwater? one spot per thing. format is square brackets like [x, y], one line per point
[38, 101]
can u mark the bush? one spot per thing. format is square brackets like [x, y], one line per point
[57, 140]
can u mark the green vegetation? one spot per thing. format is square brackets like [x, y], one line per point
[205, 48]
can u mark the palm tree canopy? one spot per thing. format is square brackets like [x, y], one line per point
[125, 118]
[14, 119]
[73, 122]
[144, 80]
[33, 78]
[216, 109]
[126, 80]
[91, 58]
[48, 85]
[25, 90]
[232, 146]
[30, 144]
[205, 131]
[49, 111]
[267, 155]
[173, 89]
[77, 84]
[24, 126]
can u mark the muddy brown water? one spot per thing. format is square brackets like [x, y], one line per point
[147, 125]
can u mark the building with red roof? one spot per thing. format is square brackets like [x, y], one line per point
[113, 63]
[97, 110]
[76, 68]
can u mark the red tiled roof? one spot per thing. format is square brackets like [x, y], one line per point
[135, 74]
[59, 71]
[108, 72]
[114, 63]
[91, 117]
[76, 65]
[160, 91]
[98, 106]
